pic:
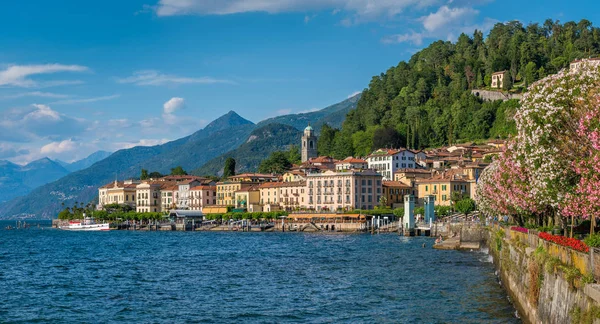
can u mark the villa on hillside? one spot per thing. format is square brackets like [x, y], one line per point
[498, 79]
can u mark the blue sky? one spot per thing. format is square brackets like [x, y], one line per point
[79, 76]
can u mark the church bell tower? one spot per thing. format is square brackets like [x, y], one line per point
[309, 144]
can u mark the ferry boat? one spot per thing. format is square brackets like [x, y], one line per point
[88, 224]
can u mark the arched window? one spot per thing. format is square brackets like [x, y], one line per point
[304, 144]
[310, 143]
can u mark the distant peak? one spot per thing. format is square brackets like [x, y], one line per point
[228, 120]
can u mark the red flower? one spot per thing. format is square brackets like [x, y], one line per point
[519, 229]
[572, 243]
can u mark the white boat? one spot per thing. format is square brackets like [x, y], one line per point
[88, 224]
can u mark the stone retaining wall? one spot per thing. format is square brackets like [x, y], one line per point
[545, 292]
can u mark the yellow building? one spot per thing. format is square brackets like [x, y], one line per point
[117, 192]
[248, 198]
[409, 176]
[282, 195]
[148, 198]
[444, 185]
[294, 176]
[226, 191]
[394, 192]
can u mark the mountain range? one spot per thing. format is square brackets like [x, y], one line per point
[16, 180]
[203, 151]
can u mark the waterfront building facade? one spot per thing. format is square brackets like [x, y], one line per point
[226, 191]
[388, 161]
[248, 199]
[169, 194]
[202, 196]
[444, 186]
[351, 163]
[118, 192]
[282, 195]
[148, 197]
[183, 188]
[343, 190]
[394, 192]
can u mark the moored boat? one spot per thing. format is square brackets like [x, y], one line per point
[88, 224]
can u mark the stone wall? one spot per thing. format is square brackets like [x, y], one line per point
[547, 282]
[495, 95]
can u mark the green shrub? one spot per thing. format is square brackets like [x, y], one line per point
[593, 240]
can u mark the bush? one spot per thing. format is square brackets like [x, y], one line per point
[592, 240]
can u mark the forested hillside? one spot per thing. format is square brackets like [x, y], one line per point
[262, 142]
[427, 101]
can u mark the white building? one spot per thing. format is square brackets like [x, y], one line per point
[351, 163]
[388, 161]
[184, 199]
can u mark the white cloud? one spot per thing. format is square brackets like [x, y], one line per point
[141, 142]
[173, 105]
[309, 110]
[447, 16]
[354, 94]
[445, 23]
[85, 100]
[121, 123]
[148, 123]
[360, 9]
[283, 112]
[58, 147]
[155, 78]
[18, 75]
[412, 37]
[36, 94]
[38, 122]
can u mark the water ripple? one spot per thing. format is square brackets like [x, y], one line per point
[156, 277]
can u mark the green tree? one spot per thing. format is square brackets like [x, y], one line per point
[326, 141]
[144, 174]
[276, 163]
[530, 73]
[229, 168]
[294, 154]
[465, 206]
[155, 175]
[178, 170]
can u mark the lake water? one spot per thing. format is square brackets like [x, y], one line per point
[49, 275]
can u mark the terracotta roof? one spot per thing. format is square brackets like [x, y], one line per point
[447, 175]
[499, 72]
[251, 188]
[198, 188]
[296, 172]
[351, 159]
[188, 181]
[253, 175]
[412, 171]
[181, 177]
[322, 159]
[395, 184]
[281, 184]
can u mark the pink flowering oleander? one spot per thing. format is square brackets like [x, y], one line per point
[519, 229]
[584, 200]
[547, 167]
